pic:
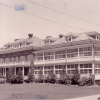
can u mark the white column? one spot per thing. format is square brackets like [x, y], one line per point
[92, 51]
[23, 71]
[79, 67]
[54, 55]
[54, 69]
[66, 68]
[43, 56]
[5, 71]
[93, 68]
[2, 71]
[43, 70]
[96, 37]
[15, 70]
[78, 53]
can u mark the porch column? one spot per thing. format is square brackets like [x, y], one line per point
[93, 71]
[23, 71]
[54, 69]
[79, 67]
[5, 71]
[93, 68]
[15, 70]
[66, 68]
[43, 70]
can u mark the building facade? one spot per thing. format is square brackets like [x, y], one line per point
[66, 52]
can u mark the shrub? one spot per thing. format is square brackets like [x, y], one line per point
[85, 81]
[53, 78]
[10, 73]
[40, 77]
[19, 76]
[14, 79]
[31, 77]
[82, 81]
[76, 76]
[67, 80]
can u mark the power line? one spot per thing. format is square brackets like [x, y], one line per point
[46, 19]
[64, 13]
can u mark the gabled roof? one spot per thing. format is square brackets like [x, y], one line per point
[15, 42]
[83, 36]
[27, 40]
[37, 42]
[59, 41]
[71, 34]
[50, 38]
[92, 33]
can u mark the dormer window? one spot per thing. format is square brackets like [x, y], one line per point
[98, 37]
[47, 42]
[93, 36]
[68, 39]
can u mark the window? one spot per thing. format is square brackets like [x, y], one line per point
[60, 54]
[71, 68]
[60, 67]
[39, 56]
[26, 70]
[48, 55]
[26, 58]
[97, 68]
[70, 71]
[86, 51]
[48, 67]
[86, 68]
[96, 51]
[38, 70]
[14, 59]
[85, 71]
[58, 71]
[46, 72]
[97, 71]
[72, 53]
[97, 65]
[86, 65]
[47, 42]
[18, 58]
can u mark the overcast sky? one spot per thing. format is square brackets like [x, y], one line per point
[17, 24]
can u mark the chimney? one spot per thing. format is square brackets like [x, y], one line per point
[16, 39]
[60, 35]
[48, 37]
[30, 35]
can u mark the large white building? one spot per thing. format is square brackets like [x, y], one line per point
[66, 52]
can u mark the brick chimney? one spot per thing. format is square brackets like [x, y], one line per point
[16, 39]
[30, 35]
[60, 35]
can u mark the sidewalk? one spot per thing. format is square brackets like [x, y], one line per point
[93, 97]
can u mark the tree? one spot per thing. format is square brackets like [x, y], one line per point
[41, 77]
[76, 76]
[62, 75]
[9, 74]
[19, 76]
[30, 76]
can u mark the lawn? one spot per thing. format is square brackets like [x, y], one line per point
[50, 91]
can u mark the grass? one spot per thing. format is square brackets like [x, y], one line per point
[51, 91]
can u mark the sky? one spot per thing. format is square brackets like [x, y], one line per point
[15, 24]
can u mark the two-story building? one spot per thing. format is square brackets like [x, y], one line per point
[66, 52]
